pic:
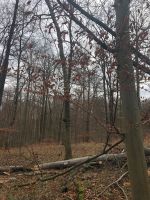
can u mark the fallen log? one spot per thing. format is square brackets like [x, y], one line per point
[69, 163]
[12, 169]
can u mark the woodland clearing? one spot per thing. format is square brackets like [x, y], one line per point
[88, 182]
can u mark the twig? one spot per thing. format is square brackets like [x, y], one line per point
[122, 191]
[117, 183]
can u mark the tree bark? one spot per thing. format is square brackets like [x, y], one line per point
[134, 145]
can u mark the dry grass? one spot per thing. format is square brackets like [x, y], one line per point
[45, 153]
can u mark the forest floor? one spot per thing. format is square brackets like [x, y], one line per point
[85, 183]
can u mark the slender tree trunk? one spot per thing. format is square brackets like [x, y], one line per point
[26, 129]
[105, 94]
[66, 77]
[67, 137]
[137, 70]
[4, 66]
[16, 96]
[134, 145]
[116, 102]
[111, 105]
[67, 98]
[16, 93]
[42, 122]
[88, 114]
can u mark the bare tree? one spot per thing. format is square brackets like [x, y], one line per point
[66, 77]
[4, 65]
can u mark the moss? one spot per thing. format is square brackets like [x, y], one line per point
[80, 191]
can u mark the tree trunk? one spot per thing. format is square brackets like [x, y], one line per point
[104, 89]
[134, 145]
[4, 66]
[16, 96]
[66, 77]
[137, 70]
[88, 114]
[67, 137]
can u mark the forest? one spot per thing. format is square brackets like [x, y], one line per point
[74, 100]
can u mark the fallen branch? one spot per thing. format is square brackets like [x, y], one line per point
[117, 183]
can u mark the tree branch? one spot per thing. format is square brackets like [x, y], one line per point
[109, 30]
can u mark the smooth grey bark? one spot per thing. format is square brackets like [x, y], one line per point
[134, 145]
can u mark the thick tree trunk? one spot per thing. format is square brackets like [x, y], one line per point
[134, 145]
